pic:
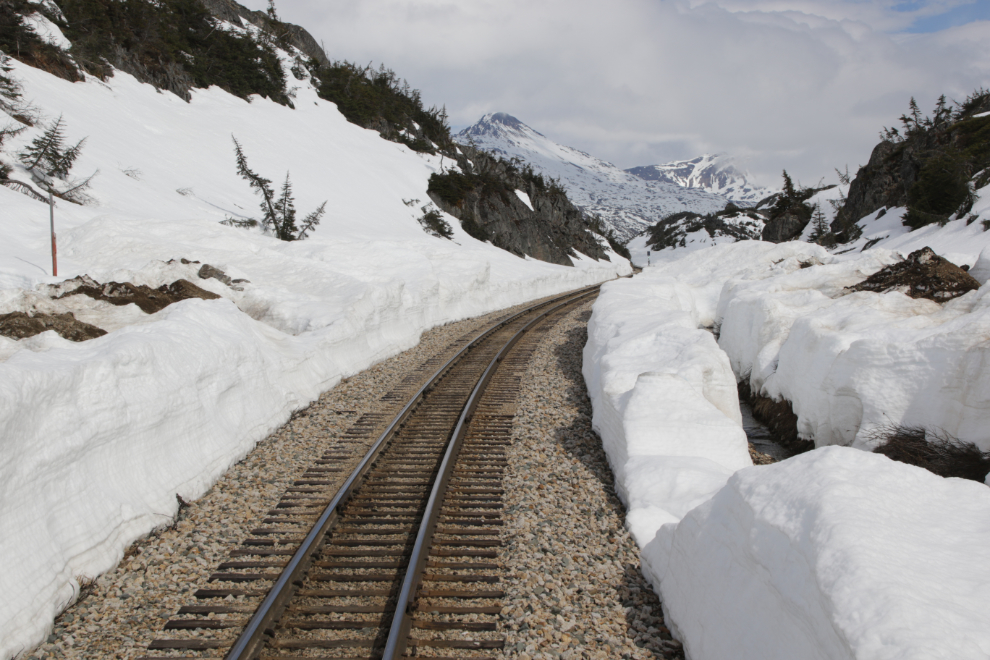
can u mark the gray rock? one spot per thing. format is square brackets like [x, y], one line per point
[208, 271]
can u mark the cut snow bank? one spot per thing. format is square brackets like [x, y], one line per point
[838, 553]
[835, 553]
[99, 437]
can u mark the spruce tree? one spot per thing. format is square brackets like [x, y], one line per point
[277, 215]
[48, 155]
[789, 191]
[821, 233]
[285, 223]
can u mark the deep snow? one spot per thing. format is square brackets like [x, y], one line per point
[99, 437]
[838, 553]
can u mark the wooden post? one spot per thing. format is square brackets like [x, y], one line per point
[51, 212]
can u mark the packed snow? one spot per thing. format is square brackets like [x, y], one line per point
[833, 554]
[524, 198]
[837, 553]
[99, 437]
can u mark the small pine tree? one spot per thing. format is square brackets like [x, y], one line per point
[789, 191]
[10, 89]
[844, 177]
[821, 233]
[285, 224]
[48, 155]
[277, 215]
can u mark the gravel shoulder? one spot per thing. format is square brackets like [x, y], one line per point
[575, 588]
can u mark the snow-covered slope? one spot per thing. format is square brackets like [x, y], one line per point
[98, 437]
[626, 202]
[712, 173]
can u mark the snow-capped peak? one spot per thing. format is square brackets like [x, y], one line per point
[626, 202]
[714, 173]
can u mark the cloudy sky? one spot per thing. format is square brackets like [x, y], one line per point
[804, 85]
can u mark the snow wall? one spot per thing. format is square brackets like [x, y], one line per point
[837, 553]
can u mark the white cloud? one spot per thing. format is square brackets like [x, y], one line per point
[803, 84]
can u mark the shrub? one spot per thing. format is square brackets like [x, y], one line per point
[172, 44]
[365, 95]
[434, 224]
[452, 187]
[942, 187]
[933, 449]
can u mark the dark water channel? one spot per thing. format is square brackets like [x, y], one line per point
[759, 435]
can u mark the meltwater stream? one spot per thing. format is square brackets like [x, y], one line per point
[759, 435]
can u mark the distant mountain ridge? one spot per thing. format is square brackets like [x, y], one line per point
[627, 203]
[712, 173]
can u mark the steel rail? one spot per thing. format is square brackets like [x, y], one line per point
[398, 635]
[252, 639]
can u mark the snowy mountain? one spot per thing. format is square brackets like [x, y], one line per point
[711, 173]
[628, 203]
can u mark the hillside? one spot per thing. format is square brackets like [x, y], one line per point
[712, 173]
[201, 336]
[925, 185]
[625, 202]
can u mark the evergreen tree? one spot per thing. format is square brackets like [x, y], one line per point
[10, 89]
[285, 227]
[789, 191]
[311, 221]
[277, 215]
[821, 233]
[260, 184]
[48, 155]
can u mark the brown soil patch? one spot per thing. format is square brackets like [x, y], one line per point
[148, 299]
[19, 325]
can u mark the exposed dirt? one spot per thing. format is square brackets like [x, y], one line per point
[148, 299]
[20, 325]
[923, 274]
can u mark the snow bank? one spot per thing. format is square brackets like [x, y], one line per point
[99, 437]
[833, 554]
[852, 362]
[664, 397]
[837, 553]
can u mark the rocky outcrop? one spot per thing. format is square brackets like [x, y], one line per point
[927, 170]
[923, 274]
[786, 226]
[483, 197]
[232, 12]
[789, 214]
[740, 224]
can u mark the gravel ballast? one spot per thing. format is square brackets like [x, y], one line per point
[574, 584]
[573, 581]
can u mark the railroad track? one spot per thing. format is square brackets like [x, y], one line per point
[403, 558]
